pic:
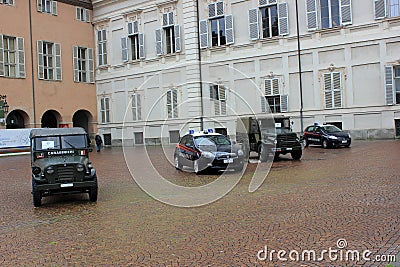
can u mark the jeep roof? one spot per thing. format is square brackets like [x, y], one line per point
[56, 131]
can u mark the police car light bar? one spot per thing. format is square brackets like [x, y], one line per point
[191, 131]
[210, 130]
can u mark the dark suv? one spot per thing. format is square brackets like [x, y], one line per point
[326, 136]
[60, 163]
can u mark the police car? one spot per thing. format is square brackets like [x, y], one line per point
[207, 150]
[326, 135]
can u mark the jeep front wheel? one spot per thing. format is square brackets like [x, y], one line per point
[93, 191]
[296, 155]
[36, 195]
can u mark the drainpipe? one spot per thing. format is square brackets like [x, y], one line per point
[300, 71]
[32, 71]
[200, 72]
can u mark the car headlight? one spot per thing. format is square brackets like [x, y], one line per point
[240, 153]
[90, 166]
[36, 170]
[80, 168]
[349, 136]
[333, 137]
[50, 170]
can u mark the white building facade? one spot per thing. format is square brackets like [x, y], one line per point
[150, 87]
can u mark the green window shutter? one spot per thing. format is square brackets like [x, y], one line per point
[1, 56]
[40, 60]
[58, 65]
[21, 57]
[87, 15]
[75, 62]
[90, 65]
[178, 44]
[54, 8]
[124, 49]
[284, 103]
[39, 5]
[203, 33]
[263, 104]
[230, 35]
[142, 53]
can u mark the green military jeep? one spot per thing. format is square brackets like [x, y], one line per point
[60, 163]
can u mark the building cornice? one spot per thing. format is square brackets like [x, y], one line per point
[81, 3]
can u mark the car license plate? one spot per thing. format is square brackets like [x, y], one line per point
[289, 148]
[67, 185]
[228, 160]
[344, 142]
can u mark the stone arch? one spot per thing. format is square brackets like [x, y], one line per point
[17, 119]
[50, 119]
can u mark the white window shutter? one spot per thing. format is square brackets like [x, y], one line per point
[254, 31]
[337, 89]
[58, 66]
[268, 87]
[283, 15]
[90, 62]
[40, 60]
[165, 19]
[142, 53]
[124, 49]
[134, 107]
[275, 86]
[1, 56]
[139, 106]
[263, 2]
[171, 18]
[75, 60]
[328, 90]
[220, 8]
[380, 9]
[263, 104]
[284, 103]
[87, 15]
[54, 8]
[159, 43]
[175, 102]
[230, 37]
[203, 33]
[178, 43]
[311, 11]
[133, 27]
[212, 10]
[345, 12]
[389, 92]
[169, 104]
[39, 5]
[222, 99]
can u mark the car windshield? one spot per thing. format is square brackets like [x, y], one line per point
[282, 130]
[60, 142]
[211, 140]
[331, 129]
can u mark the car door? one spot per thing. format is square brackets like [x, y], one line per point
[319, 136]
[308, 134]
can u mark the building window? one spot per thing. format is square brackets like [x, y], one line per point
[172, 103]
[83, 64]
[82, 14]
[132, 47]
[269, 21]
[394, 8]
[325, 14]
[12, 57]
[168, 38]
[218, 95]
[102, 47]
[49, 63]
[221, 27]
[7, 2]
[136, 107]
[47, 6]
[138, 138]
[397, 83]
[277, 102]
[333, 90]
[105, 110]
[174, 137]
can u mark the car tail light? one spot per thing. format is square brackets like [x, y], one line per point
[82, 152]
[39, 155]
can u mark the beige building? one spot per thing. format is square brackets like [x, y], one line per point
[47, 63]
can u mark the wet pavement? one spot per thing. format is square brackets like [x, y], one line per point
[333, 194]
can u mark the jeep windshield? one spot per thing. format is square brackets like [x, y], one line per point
[331, 129]
[60, 142]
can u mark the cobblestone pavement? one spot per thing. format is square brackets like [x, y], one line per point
[333, 194]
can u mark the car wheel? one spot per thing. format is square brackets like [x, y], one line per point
[196, 168]
[93, 191]
[178, 165]
[37, 196]
[325, 144]
[296, 155]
